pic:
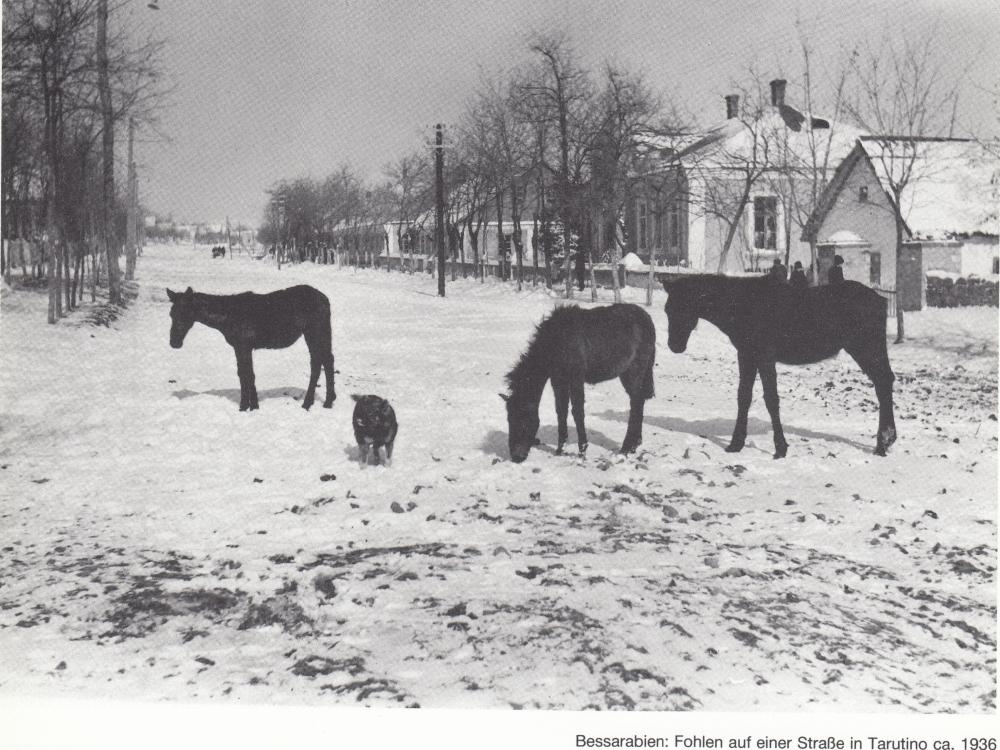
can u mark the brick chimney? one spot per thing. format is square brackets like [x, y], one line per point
[732, 106]
[778, 92]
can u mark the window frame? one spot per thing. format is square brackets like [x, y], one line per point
[765, 238]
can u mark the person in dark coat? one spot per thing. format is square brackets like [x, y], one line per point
[798, 279]
[778, 271]
[836, 273]
[580, 263]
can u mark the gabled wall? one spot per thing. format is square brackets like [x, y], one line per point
[871, 219]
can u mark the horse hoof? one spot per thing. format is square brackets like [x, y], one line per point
[734, 447]
[880, 450]
[583, 448]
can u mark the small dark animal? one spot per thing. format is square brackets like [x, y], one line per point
[218, 252]
[573, 346]
[769, 323]
[251, 321]
[375, 427]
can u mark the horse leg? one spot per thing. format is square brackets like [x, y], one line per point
[315, 363]
[248, 389]
[875, 364]
[748, 373]
[633, 436]
[576, 399]
[388, 452]
[769, 381]
[639, 390]
[561, 392]
[331, 393]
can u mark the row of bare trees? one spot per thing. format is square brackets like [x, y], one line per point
[74, 75]
[552, 143]
[547, 142]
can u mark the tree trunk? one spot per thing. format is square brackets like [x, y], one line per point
[615, 263]
[130, 220]
[899, 277]
[731, 233]
[651, 280]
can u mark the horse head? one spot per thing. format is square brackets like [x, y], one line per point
[181, 315]
[522, 427]
[682, 317]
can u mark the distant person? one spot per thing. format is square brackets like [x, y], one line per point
[580, 266]
[778, 271]
[836, 273]
[798, 279]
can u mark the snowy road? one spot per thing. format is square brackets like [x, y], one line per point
[157, 543]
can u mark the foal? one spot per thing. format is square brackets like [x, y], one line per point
[769, 321]
[574, 346]
[251, 321]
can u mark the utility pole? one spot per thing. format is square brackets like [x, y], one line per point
[107, 155]
[280, 200]
[439, 200]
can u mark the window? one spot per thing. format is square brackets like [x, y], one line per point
[875, 269]
[642, 224]
[863, 193]
[765, 223]
[674, 226]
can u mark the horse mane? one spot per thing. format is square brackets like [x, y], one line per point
[527, 365]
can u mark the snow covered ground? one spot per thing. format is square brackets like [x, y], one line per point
[159, 544]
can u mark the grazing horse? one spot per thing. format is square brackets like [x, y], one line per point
[251, 321]
[769, 321]
[573, 346]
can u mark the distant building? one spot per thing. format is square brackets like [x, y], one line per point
[949, 209]
[737, 176]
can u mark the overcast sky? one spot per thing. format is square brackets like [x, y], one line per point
[289, 88]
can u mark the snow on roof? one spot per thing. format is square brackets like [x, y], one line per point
[732, 141]
[954, 189]
[845, 237]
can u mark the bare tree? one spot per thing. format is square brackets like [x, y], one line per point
[560, 91]
[412, 182]
[627, 119]
[902, 93]
[743, 152]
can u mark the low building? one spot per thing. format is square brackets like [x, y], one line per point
[949, 211]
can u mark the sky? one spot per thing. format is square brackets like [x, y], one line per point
[264, 91]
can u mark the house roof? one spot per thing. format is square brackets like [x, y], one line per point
[732, 141]
[954, 189]
[831, 192]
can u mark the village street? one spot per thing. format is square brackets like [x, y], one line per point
[157, 543]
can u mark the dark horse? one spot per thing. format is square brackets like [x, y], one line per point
[769, 321]
[571, 347]
[251, 321]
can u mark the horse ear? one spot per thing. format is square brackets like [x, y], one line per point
[172, 296]
[504, 396]
[357, 396]
[189, 292]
